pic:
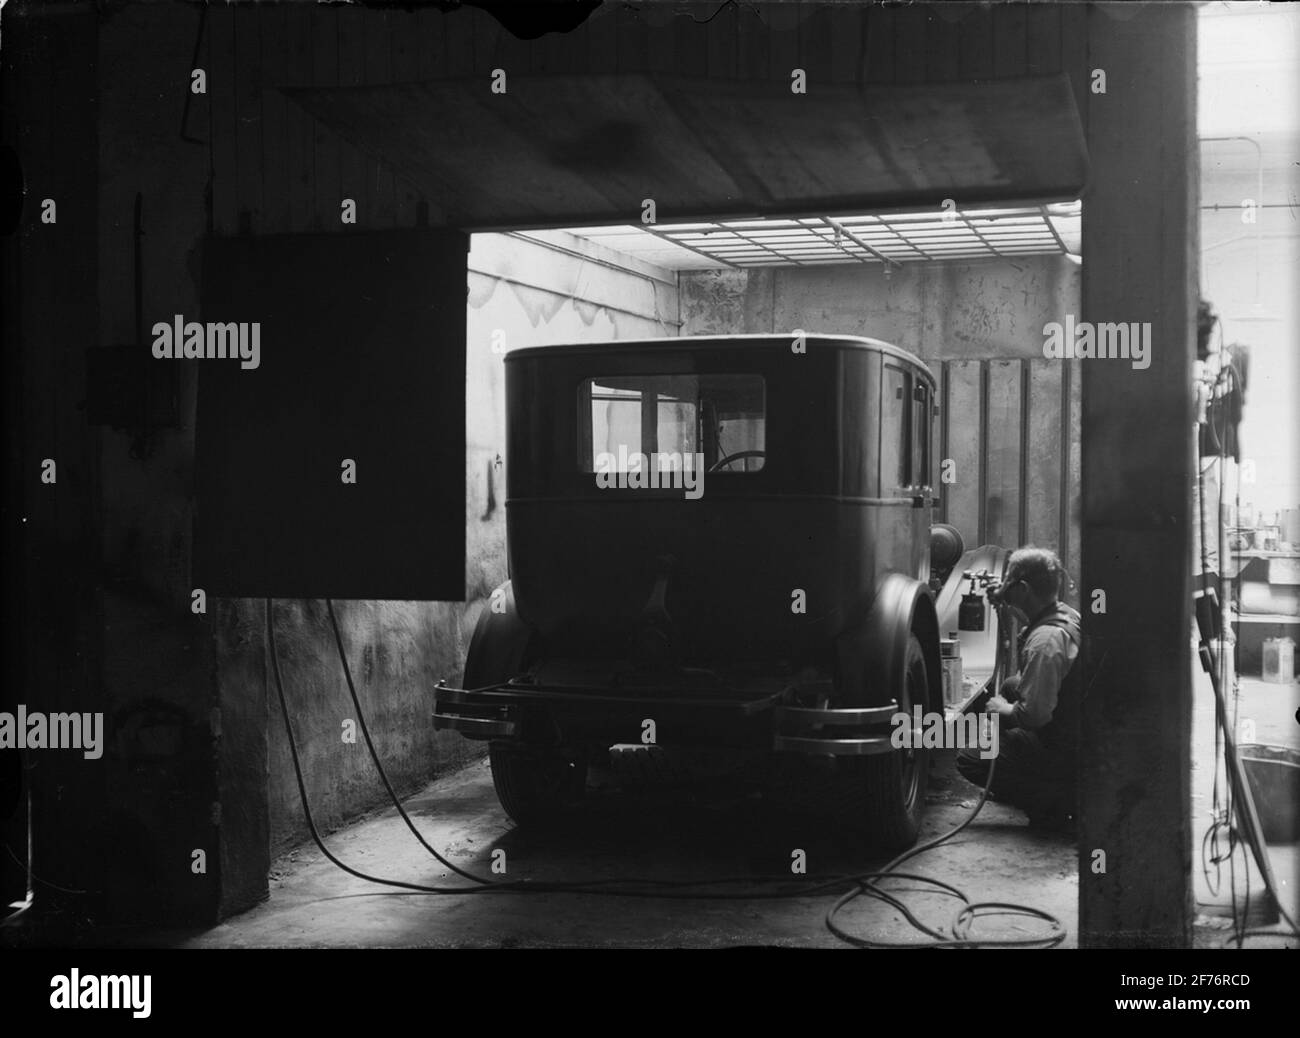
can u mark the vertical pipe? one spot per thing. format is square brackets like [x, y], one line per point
[1066, 434]
[1023, 519]
[945, 396]
[983, 452]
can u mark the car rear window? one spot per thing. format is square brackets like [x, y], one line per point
[718, 418]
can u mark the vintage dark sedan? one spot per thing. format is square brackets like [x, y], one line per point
[713, 542]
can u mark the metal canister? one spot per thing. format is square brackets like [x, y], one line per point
[950, 658]
[970, 613]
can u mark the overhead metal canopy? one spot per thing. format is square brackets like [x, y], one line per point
[566, 150]
[891, 238]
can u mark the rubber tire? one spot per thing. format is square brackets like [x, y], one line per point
[875, 801]
[535, 786]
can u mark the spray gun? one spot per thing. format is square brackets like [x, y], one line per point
[985, 592]
[983, 585]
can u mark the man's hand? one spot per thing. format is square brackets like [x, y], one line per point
[998, 705]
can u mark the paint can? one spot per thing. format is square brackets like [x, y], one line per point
[950, 658]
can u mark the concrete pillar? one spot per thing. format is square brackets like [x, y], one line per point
[1140, 251]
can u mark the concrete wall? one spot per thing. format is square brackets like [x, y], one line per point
[1010, 416]
[185, 689]
[52, 630]
[1140, 248]
[940, 311]
[158, 658]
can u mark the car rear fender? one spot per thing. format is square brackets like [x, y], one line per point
[870, 659]
[498, 649]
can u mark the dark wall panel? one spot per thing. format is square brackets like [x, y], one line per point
[361, 357]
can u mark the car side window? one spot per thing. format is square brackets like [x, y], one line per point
[895, 429]
[921, 425]
[720, 417]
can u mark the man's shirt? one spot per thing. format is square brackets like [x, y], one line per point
[1045, 659]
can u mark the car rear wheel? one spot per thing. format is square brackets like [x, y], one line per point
[535, 784]
[883, 795]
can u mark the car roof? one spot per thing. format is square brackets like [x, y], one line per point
[702, 342]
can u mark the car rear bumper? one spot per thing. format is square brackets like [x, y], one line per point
[521, 709]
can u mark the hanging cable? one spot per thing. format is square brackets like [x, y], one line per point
[681, 890]
[374, 756]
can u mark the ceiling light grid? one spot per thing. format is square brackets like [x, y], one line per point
[886, 238]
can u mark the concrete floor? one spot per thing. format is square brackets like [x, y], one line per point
[677, 835]
[1275, 711]
[663, 836]
[680, 836]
